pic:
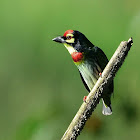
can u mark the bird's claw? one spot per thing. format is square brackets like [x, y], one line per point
[100, 74]
[84, 99]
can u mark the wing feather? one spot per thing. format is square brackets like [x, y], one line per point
[84, 82]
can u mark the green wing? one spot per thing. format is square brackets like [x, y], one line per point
[102, 61]
[101, 58]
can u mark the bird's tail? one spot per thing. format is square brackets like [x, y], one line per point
[107, 110]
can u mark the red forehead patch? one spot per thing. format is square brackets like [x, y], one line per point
[68, 32]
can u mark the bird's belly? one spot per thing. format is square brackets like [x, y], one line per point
[89, 73]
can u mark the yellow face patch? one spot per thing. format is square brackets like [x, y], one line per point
[70, 38]
[69, 48]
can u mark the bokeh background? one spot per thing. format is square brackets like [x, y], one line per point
[40, 87]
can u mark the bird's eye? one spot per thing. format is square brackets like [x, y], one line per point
[69, 37]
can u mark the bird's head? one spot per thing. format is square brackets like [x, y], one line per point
[74, 41]
[67, 38]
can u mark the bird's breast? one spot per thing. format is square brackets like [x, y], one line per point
[77, 56]
[89, 72]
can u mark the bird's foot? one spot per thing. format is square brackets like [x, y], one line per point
[100, 74]
[84, 99]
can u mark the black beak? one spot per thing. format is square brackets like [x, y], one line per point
[59, 39]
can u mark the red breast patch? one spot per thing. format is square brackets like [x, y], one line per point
[68, 32]
[77, 56]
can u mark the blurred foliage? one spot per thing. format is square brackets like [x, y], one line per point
[40, 88]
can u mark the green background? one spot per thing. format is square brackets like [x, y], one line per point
[40, 87]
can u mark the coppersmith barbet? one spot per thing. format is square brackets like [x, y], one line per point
[90, 61]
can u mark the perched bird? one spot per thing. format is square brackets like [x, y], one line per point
[90, 61]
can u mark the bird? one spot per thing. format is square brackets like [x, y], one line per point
[90, 61]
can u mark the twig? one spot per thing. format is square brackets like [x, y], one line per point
[94, 96]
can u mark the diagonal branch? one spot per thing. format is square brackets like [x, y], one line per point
[94, 96]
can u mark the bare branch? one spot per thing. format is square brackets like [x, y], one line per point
[94, 96]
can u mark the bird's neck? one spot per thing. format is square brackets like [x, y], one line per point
[69, 48]
[77, 57]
